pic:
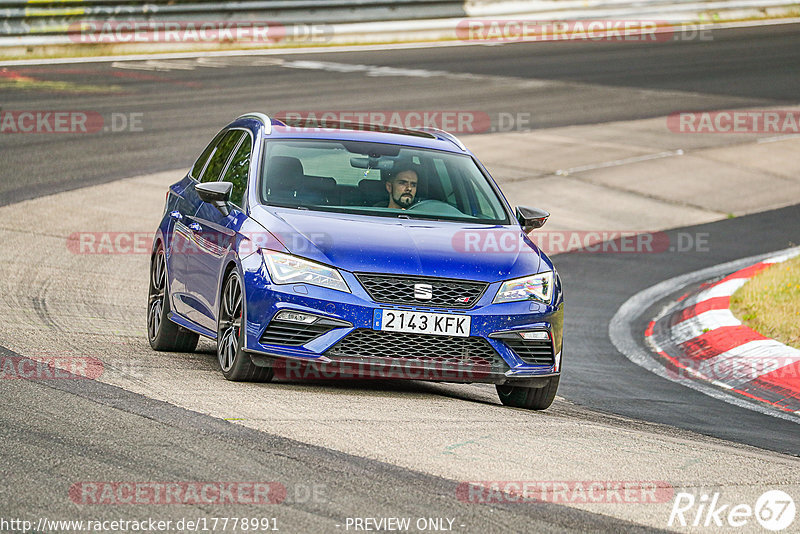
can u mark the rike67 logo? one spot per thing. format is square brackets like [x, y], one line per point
[774, 510]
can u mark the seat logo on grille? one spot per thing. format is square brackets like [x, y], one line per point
[423, 291]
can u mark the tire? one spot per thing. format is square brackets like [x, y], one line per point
[162, 333]
[235, 364]
[530, 398]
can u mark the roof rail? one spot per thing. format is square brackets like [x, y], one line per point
[258, 116]
[442, 134]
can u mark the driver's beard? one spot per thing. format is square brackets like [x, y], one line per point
[404, 202]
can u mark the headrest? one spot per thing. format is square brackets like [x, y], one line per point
[285, 170]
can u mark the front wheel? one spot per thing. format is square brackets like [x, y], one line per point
[162, 333]
[530, 398]
[235, 363]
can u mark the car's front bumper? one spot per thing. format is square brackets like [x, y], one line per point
[486, 356]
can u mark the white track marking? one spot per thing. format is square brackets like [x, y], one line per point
[619, 162]
[778, 138]
[330, 66]
[700, 324]
[783, 257]
[722, 289]
[749, 361]
[155, 65]
[382, 71]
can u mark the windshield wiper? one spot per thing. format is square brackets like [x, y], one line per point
[424, 218]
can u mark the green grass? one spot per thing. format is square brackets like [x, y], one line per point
[770, 302]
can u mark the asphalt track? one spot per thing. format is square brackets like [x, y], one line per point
[181, 108]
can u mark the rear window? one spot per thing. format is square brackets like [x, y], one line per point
[220, 156]
[237, 171]
[378, 179]
[200, 164]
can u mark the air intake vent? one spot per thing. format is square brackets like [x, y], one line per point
[292, 333]
[376, 345]
[532, 352]
[400, 289]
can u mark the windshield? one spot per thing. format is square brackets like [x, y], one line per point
[377, 179]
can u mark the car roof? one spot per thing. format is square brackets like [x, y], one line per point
[334, 130]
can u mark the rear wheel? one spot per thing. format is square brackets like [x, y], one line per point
[234, 362]
[162, 333]
[530, 398]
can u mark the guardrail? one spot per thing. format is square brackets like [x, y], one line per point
[19, 18]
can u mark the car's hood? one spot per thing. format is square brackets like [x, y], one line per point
[360, 243]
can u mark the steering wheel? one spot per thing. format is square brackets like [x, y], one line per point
[435, 207]
[429, 202]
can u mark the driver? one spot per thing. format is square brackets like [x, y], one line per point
[402, 188]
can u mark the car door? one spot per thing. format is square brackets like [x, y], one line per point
[213, 232]
[180, 241]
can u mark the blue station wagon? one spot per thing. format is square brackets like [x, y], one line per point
[355, 251]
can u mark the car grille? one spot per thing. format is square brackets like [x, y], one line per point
[293, 334]
[532, 352]
[376, 345]
[399, 289]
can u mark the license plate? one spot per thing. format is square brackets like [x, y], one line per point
[438, 324]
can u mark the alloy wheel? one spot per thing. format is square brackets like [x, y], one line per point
[158, 284]
[230, 323]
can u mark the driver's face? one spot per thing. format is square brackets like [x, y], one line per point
[403, 188]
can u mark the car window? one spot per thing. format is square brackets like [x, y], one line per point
[352, 177]
[471, 197]
[237, 171]
[200, 164]
[220, 155]
[324, 160]
[485, 207]
[447, 184]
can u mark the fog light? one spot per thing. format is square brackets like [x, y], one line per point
[296, 317]
[535, 336]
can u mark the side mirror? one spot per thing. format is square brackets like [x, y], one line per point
[531, 218]
[217, 193]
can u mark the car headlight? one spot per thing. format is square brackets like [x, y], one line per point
[288, 269]
[538, 287]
